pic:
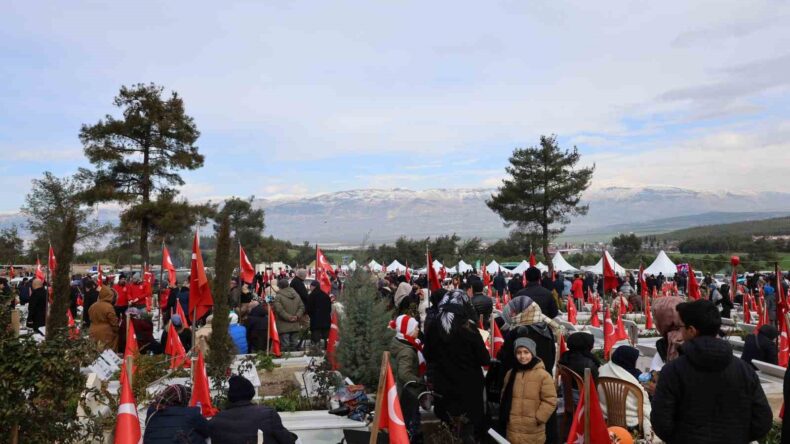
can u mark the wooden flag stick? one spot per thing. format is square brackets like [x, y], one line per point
[374, 433]
[587, 384]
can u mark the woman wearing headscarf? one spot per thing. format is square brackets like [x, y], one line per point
[409, 366]
[761, 346]
[104, 322]
[579, 355]
[170, 420]
[668, 324]
[456, 352]
[623, 366]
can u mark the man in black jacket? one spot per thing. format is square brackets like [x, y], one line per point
[240, 421]
[297, 283]
[515, 284]
[500, 284]
[707, 395]
[539, 294]
[37, 309]
[482, 303]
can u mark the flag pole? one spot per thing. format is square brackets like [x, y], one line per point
[586, 406]
[374, 433]
[159, 293]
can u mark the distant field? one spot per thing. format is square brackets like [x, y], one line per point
[784, 258]
[768, 227]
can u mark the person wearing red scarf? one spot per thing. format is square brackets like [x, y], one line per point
[409, 367]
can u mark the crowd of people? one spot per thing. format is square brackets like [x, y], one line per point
[697, 391]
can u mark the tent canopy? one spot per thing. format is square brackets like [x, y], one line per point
[598, 268]
[662, 264]
[374, 266]
[541, 266]
[463, 267]
[520, 268]
[396, 266]
[437, 265]
[493, 267]
[560, 264]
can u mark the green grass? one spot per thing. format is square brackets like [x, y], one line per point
[784, 258]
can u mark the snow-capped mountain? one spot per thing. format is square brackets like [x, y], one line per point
[382, 215]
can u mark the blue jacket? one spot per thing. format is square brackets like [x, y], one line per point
[174, 424]
[239, 335]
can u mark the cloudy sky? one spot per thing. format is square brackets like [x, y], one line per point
[298, 98]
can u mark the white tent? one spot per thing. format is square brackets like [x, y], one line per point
[662, 264]
[374, 266]
[437, 265]
[463, 267]
[560, 264]
[396, 266]
[542, 267]
[450, 271]
[352, 265]
[520, 268]
[598, 268]
[493, 267]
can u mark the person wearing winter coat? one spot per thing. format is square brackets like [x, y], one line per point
[456, 353]
[240, 421]
[579, 355]
[319, 308]
[170, 419]
[483, 304]
[288, 308]
[203, 335]
[707, 395]
[104, 322]
[408, 366]
[91, 296]
[500, 284]
[623, 366]
[257, 327]
[515, 284]
[37, 307]
[667, 322]
[761, 346]
[529, 397]
[540, 295]
[297, 283]
[238, 334]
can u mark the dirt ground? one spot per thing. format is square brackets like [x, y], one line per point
[273, 383]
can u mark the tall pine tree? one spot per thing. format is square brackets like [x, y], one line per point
[221, 348]
[543, 191]
[138, 157]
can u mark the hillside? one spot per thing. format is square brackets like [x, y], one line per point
[778, 226]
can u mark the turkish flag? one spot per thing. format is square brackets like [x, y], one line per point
[127, 425]
[274, 336]
[180, 312]
[499, 340]
[443, 273]
[595, 321]
[648, 314]
[167, 264]
[747, 311]
[609, 335]
[246, 269]
[609, 277]
[563, 346]
[642, 282]
[332, 340]
[74, 331]
[620, 332]
[407, 275]
[784, 347]
[323, 280]
[200, 389]
[433, 280]
[39, 271]
[11, 272]
[99, 277]
[532, 260]
[391, 417]
[175, 349]
[199, 291]
[131, 348]
[598, 432]
[322, 262]
[52, 263]
[693, 290]
[571, 311]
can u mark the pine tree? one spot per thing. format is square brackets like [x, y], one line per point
[221, 347]
[364, 332]
[543, 190]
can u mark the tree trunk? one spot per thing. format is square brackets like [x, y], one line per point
[545, 242]
[61, 288]
[145, 224]
[144, 229]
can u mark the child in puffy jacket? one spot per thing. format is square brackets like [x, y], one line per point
[238, 333]
[529, 397]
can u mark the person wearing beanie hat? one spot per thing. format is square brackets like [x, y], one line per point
[238, 333]
[623, 367]
[529, 397]
[241, 420]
